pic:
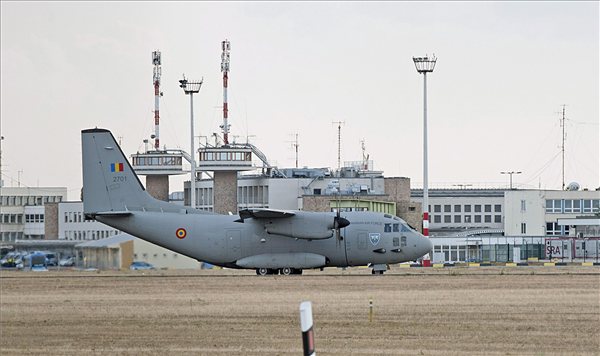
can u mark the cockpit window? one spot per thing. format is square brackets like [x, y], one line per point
[387, 216]
[403, 240]
[387, 228]
[396, 241]
[396, 227]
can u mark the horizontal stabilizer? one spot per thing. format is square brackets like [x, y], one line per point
[115, 214]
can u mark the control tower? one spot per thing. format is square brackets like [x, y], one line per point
[156, 164]
[227, 159]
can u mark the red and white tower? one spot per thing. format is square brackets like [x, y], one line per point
[157, 72]
[225, 69]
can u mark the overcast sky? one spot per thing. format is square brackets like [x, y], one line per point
[504, 71]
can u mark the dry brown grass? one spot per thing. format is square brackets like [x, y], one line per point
[472, 311]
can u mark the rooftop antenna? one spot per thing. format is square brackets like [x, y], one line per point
[157, 95]
[562, 124]
[364, 155]
[225, 69]
[339, 126]
[296, 145]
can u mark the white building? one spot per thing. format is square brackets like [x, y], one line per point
[72, 224]
[464, 211]
[537, 212]
[22, 214]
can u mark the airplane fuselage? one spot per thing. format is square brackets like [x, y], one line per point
[371, 238]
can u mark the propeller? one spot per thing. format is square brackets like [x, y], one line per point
[339, 223]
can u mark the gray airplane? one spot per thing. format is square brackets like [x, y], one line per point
[267, 240]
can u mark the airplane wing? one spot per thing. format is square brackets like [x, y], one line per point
[265, 214]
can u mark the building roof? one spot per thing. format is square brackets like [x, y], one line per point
[443, 193]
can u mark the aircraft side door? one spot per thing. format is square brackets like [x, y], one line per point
[357, 247]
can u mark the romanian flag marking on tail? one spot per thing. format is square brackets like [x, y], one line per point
[116, 167]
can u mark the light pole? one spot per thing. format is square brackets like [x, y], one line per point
[425, 65]
[511, 174]
[190, 88]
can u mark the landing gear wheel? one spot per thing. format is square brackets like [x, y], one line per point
[286, 271]
[262, 271]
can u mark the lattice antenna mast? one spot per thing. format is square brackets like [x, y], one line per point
[339, 126]
[225, 69]
[157, 95]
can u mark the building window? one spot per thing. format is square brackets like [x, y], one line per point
[478, 208]
[568, 206]
[587, 206]
[457, 208]
[523, 227]
[497, 208]
[488, 218]
[467, 219]
[437, 208]
[523, 206]
[488, 208]
[497, 218]
[447, 208]
[477, 218]
[447, 218]
[437, 219]
[552, 229]
[554, 206]
[457, 218]
[468, 208]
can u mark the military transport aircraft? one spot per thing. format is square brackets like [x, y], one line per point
[267, 240]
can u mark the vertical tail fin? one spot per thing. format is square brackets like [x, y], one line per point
[109, 182]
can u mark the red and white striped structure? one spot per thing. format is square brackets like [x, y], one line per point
[157, 72]
[306, 324]
[225, 69]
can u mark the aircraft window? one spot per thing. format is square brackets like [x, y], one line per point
[387, 216]
[396, 218]
[396, 227]
[396, 242]
[387, 228]
[403, 239]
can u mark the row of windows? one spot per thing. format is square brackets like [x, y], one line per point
[18, 218]
[19, 200]
[89, 235]
[572, 205]
[18, 235]
[226, 156]
[75, 217]
[11, 218]
[253, 195]
[157, 161]
[34, 218]
[468, 219]
[458, 208]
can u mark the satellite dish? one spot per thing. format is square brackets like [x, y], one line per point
[573, 186]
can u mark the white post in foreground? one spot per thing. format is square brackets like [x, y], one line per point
[306, 324]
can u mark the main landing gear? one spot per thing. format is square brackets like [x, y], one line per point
[286, 271]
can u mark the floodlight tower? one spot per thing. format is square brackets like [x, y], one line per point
[425, 65]
[511, 174]
[190, 88]
[157, 94]
[225, 69]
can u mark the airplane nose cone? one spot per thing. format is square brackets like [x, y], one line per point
[425, 246]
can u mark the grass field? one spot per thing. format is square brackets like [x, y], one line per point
[452, 311]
